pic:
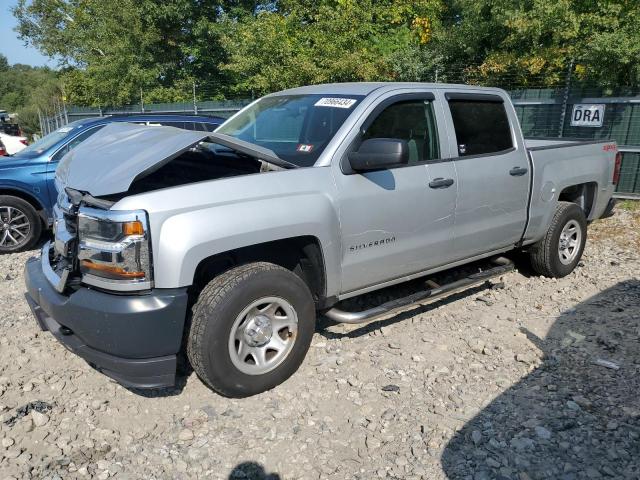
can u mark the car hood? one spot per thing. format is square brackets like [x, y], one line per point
[111, 159]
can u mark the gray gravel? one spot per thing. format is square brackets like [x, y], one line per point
[533, 378]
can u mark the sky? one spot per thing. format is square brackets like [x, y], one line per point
[13, 48]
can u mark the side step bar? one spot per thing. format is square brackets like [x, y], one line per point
[503, 265]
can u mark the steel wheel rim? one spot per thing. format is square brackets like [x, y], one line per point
[569, 242]
[262, 335]
[14, 227]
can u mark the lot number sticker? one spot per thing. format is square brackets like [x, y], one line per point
[335, 102]
[587, 115]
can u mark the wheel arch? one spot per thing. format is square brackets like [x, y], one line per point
[582, 194]
[27, 197]
[302, 255]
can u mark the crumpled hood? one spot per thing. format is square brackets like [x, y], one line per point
[111, 159]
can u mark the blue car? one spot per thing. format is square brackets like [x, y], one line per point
[27, 189]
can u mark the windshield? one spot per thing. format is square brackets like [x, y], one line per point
[297, 128]
[46, 142]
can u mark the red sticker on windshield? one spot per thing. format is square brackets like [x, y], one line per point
[304, 148]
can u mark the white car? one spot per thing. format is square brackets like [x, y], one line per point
[13, 144]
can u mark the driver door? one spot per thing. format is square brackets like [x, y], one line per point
[392, 223]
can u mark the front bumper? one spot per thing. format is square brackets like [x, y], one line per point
[133, 339]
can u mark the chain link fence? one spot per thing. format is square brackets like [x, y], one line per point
[543, 110]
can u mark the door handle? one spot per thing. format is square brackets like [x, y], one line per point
[517, 171]
[441, 182]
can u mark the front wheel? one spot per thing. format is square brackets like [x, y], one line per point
[20, 225]
[251, 329]
[559, 252]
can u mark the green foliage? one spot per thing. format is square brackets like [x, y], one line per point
[112, 52]
[327, 41]
[533, 42]
[24, 89]
[631, 205]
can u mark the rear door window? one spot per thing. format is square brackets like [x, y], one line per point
[481, 127]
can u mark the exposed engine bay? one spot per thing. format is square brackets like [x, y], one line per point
[204, 162]
[125, 159]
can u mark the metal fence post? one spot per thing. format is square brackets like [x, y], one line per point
[565, 99]
[41, 124]
[195, 105]
[55, 113]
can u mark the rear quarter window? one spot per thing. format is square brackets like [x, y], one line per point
[481, 127]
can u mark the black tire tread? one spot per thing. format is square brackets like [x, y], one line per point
[211, 296]
[542, 251]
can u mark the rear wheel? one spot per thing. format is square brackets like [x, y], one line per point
[558, 253]
[251, 329]
[20, 225]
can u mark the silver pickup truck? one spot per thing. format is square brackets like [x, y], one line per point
[225, 245]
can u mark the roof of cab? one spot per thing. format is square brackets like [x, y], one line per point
[365, 88]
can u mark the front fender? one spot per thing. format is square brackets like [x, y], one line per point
[193, 222]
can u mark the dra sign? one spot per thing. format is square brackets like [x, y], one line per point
[587, 115]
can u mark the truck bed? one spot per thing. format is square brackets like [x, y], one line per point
[558, 163]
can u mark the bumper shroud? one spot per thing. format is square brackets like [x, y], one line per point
[133, 339]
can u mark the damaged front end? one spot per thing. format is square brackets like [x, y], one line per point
[126, 159]
[111, 249]
[92, 288]
[96, 246]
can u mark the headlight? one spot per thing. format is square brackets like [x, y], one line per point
[114, 249]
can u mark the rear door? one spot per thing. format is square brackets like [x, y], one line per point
[493, 173]
[393, 223]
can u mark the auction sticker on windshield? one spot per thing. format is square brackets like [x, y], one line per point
[304, 148]
[335, 102]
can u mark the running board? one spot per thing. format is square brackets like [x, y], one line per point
[503, 265]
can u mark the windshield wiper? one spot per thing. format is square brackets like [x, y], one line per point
[256, 151]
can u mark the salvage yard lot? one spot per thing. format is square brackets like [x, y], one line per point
[509, 382]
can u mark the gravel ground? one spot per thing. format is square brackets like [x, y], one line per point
[533, 378]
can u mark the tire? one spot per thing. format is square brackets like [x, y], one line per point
[547, 256]
[229, 342]
[20, 224]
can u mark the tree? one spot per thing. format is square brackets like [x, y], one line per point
[111, 51]
[4, 63]
[534, 42]
[25, 89]
[303, 42]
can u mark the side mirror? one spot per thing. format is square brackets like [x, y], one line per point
[380, 153]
